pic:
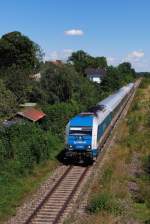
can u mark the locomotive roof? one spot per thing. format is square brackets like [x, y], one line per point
[82, 120]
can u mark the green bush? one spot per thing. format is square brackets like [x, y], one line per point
[8, 102]
[147, 222]
[148, 118]
[146, 164]
[26, 145]
[135, 106]
[105, 202]
[2, 151]
[107, 175]
[145, 82]
[58, 115]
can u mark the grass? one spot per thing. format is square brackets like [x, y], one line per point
[126, 167]
[141, 212]
[15, 189]
[105, 202]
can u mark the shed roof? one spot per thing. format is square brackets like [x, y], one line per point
[32, 114]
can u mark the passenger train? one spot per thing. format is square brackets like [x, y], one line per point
[87, 132]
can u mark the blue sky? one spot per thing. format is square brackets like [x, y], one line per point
[117, 29]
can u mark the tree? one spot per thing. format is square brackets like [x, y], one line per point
[17, 80]
[118, 76]
[7, 101]
[17, 49]
[125, 67]
[35, 93]
[82, 60]
[20, 57]
[127, 72]
[112, 81]
[100, 62]
[58, 82]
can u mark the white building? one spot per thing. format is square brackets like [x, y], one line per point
[95, 74]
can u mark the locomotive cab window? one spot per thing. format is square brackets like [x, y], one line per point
[80, 131]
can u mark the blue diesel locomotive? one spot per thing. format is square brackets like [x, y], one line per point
[87, 132]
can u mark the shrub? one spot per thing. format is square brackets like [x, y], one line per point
[7, 101]
[135, 106]
[2, 151]
[58, 115]
[147, 222]
[147, 164]
[148, 119]
[107, 175]
[26, 145]
[145, 82]
[105, 202]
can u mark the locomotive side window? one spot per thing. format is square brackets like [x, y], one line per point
[80, 131]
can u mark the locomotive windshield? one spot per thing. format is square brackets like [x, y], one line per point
[80, 131]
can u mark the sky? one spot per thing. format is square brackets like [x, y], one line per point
[116, 29]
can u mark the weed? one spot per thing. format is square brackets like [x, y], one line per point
[105, 202]
[147, 222]
[146, 164]
[106, 177]
[135, 106]
[141, 212]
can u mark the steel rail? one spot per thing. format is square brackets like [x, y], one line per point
[48, 195]
[70, 196]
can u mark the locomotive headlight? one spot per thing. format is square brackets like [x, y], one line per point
[70, 147]
[89, 147]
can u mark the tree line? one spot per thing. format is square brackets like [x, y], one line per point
[62, 92]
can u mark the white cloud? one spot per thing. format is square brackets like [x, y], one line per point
[135, 56]
[58, 55]
[74, 32]
[113, 61]
[138, 60]
[142, 65]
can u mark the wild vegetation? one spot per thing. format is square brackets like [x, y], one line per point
[62, 92]
[7, 101]
[121, 192]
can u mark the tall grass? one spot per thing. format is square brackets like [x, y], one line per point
[111, 193]
[104, 201]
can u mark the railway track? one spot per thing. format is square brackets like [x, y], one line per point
[56, 203]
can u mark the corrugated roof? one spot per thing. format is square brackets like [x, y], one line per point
[32, 114]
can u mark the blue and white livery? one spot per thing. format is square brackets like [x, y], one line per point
[85, 133]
